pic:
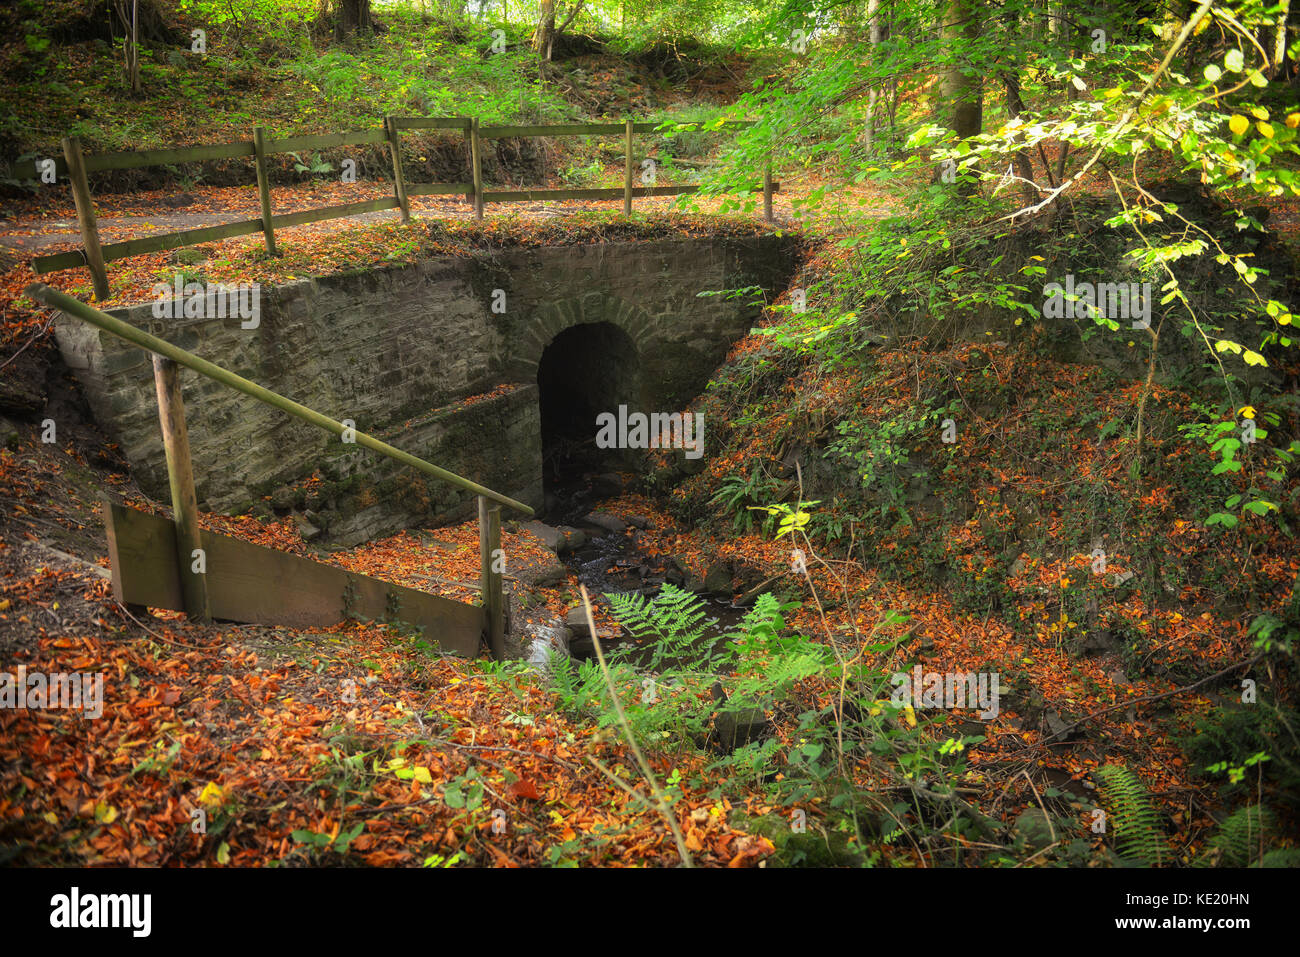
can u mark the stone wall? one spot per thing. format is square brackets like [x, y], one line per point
[399, 351]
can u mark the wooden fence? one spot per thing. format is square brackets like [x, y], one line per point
[179, 566]
[76, 164]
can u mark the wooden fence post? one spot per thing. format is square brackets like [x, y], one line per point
[399, 178]
[627, 169]
[476, 162]
[85, 214]
[767, 191]
[264, 189]
[180, 476]
[491, 564]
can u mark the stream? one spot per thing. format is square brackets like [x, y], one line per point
[611, 562]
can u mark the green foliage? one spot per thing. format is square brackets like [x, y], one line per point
[313, 166]
[464, 792]
[579, 686]
[1131, 817]
[1251, 746]
[673, 623]
[762, 667]
[740, 495]
[881, 452]
[1239, 841]
[339, 844]
[1240, 444]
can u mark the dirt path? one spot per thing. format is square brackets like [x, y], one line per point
[48, 223]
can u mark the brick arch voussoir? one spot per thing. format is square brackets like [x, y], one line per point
[556, 317]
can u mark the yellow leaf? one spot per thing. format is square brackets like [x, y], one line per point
[1293, 120]
[1265, 129]
[105, 813]
[212, 795]
[423, 776]
[223, 853]
[1248, 411]
[4, 605]
[1238, 124]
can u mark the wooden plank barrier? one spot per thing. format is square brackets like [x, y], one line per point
[253, 583]
[76, 165]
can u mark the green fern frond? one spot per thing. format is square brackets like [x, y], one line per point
[1281, 857]
[1239, 839]
[1134, 821]
[674, 622]
[763, 620]
[578, 686]
[671, 615]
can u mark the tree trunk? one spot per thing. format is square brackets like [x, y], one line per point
[547, 31]
[544, 35]
[962, 86]
[1024, 168]
[134, 69]
[351, 16]
[873, 19]
[130, 17]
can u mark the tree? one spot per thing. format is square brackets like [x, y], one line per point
[962, 85]
[546, 32]
[130, 18]
[873, 95]
[348, 17]
[544, 35]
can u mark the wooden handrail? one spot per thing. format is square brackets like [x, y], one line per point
[123, 330]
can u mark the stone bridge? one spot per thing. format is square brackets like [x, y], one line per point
[476, 363]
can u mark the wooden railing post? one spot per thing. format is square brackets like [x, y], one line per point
[399, 178]
[190, 557]
[491, 564]
[767, 191]
[264, 189]
[476, 164]
[627, 169]
[85, 214]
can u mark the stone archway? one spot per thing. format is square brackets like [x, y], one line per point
[554, 318]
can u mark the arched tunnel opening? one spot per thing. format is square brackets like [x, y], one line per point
[586, 370]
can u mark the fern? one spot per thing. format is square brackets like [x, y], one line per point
[738, 495]
[673, 622]
[578, 686]
[1135, 822]
[1282, 857]
[761, 623]
[1239, 840]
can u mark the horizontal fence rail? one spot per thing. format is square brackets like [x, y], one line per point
[76, 164]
